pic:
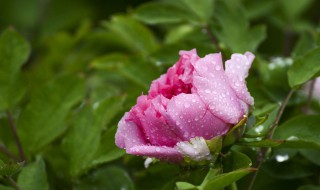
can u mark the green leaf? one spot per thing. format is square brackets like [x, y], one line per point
[300, 132]
[263, 143]
[14, 52]
[43, 119]
[132, 34]
[135, 69]
[33, 176]
[312, 155]
[5, 188]
[185, 186]
[82, 142]
[111, 178]
[304, 68]
[236, 160]
[158, 13]
[223, 180]
[109, 61]
[233, 29]
[108, 151]
[202, 8]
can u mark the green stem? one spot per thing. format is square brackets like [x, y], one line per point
[13, 183]
[262, 154]
[15, 136]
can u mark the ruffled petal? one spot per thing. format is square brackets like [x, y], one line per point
[129, 134]
[237, 69]
[190, 118]
[213, 87]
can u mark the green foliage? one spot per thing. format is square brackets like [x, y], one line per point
[33, 176]
[14, 52]
[69, 71]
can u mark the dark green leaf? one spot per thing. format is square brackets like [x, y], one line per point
[304, 68]
[236, 160]
[33, 176]
[312, 155]
[43, 120]
[14, 52]
[300, 132]
[263, 143]
[111, 178]
[309, 187]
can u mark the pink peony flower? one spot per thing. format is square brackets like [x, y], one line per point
[194, 101]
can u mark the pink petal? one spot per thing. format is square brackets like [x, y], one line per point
[148, 113]
[160, 152]
[178, 78]
[191, 118]
[237, 69]
[213, 87]
[129, 134]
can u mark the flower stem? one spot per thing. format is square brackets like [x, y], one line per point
[15, 135]
[262, 154]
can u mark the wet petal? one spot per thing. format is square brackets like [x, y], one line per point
[190, 118]
[129, 134]
[160, 152]
[237, 69]
[213, 87]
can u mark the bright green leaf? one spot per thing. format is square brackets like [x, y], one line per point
[223, 180]
[43, 119]
[304, 68]
[185, 186]
[33, 176]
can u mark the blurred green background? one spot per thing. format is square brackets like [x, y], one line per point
[78, 65]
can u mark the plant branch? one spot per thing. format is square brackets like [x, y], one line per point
[7, 152]
[212, 37]
[15, 135]
[13, 183]
[264, 151]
